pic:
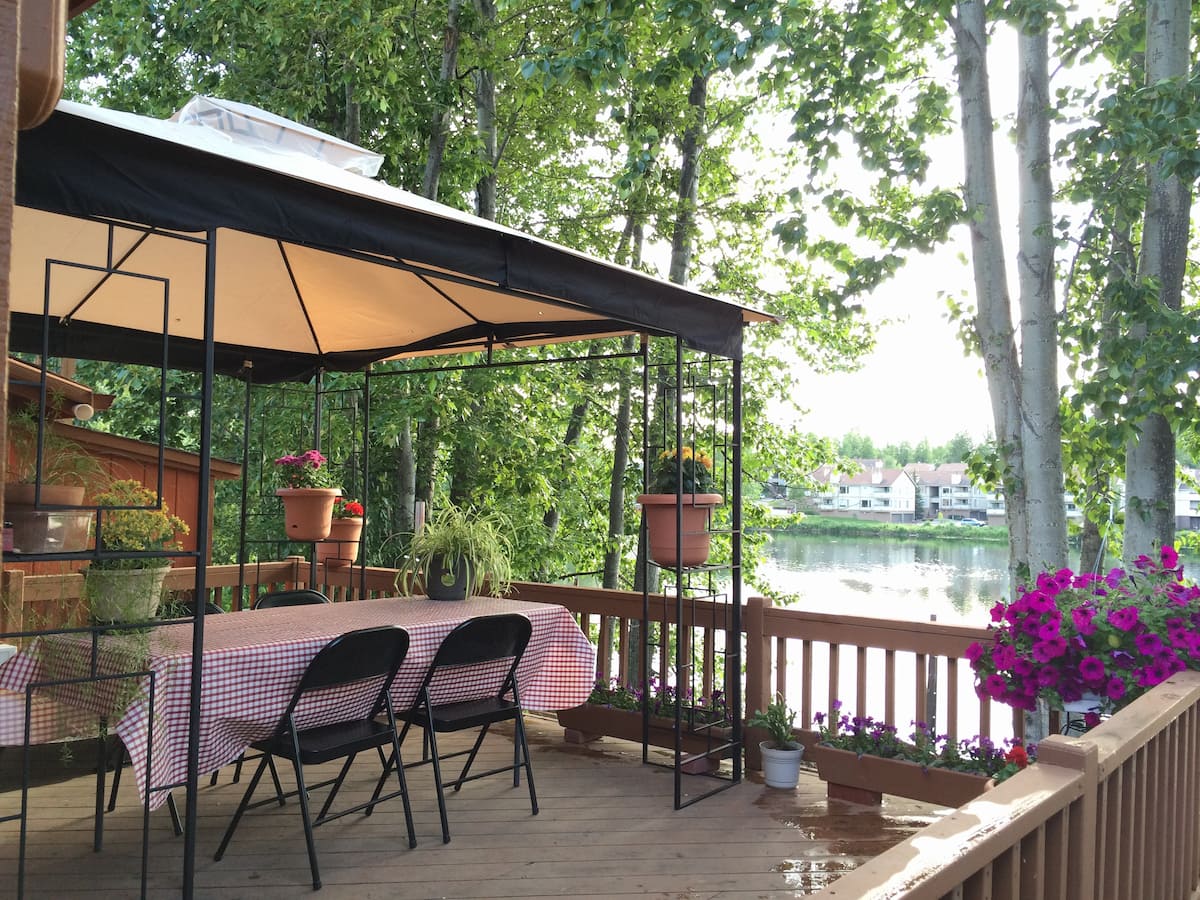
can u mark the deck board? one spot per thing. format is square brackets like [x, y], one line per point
[606, 829]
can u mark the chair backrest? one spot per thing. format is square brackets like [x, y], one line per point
[302, 597]
[366, 654]
[482, 641]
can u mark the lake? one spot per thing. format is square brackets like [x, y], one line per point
[957, 581]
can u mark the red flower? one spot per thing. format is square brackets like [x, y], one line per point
[1017, 756]
[345, 509]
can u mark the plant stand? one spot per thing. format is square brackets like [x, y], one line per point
[865, 779]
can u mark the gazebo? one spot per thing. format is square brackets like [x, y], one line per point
[199, 245]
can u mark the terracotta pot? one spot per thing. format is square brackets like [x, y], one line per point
[308, 512]
[341, 547]
[660, 526]
[124, 595]
[864, 778]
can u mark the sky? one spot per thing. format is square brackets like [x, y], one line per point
[918, 383]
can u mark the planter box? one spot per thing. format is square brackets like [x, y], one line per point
[588, 722]
[864, 779]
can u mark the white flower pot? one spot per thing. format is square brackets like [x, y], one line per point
[781, 768]
[124, 595]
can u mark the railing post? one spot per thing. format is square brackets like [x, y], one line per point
[12, 601]
[758, 667]
[1083, 756]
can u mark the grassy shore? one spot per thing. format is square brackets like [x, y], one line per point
[940, 530]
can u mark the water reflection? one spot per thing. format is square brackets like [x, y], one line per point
[955, 580]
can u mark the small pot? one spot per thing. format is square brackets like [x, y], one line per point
[781, 768]
[445, 583]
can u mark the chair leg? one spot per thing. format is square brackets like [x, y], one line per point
[408, 816]
[437, 781]
[274, 778]
[240, 811]
[122, 756]
[471, 757]
[524, 745]
[337, 786]
[176, 824]
[302, 793]
[237, 771]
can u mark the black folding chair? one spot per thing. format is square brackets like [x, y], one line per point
[369, 659]
[302, 597]
[474, 648]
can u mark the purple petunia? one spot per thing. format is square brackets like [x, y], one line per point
[1091, 669]
[1125, 619]
[1044, 651]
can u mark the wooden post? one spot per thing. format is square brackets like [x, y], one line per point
[758, 668]
[1078, 755]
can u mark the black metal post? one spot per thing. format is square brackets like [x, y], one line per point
[202, 535]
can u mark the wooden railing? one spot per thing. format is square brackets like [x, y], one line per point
[1110, 814]
[777, 643]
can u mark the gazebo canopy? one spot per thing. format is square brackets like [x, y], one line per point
[314, 266]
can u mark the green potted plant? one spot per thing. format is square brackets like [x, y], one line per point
[781, 754]
[459, 552]
[35, 486]
[128, 589]
[684, 477]
[307, 493]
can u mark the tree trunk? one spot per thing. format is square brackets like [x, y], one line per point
[993, 319]
[683, 235]
[485, 118]
[616, 487]
[406, 481]
[437, 123]
[1041, 429]
[574, 429]
[426, 459]
[1150, 455]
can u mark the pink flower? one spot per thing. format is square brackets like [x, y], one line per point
[1082, 617]
[1044, 651]
[1170, 559]
[1124, 619]
[1115, 689]
[1148, 644]
[1091, 668]
[1091, 720]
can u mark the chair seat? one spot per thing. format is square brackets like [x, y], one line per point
[464, 715]
[325, 742]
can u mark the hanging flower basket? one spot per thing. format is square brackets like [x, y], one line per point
[307, 512]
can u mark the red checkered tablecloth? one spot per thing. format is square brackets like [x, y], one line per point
[254, 659]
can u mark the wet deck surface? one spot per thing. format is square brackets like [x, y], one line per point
[606, 829]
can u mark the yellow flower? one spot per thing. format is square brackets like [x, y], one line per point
[686, 452]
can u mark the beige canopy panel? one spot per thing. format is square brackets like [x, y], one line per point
[313, 266]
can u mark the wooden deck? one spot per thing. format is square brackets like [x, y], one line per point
[606, 829]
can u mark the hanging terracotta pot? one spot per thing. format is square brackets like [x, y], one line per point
[341, 547]
[307, 512]
[660, 526]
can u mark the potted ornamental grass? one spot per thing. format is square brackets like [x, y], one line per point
[129, 588]
[680, 479]
[1090, 640]
[340, 548]
[308, 493]
[40, 484]
[861, 759]
[781, 753]
[459, 552]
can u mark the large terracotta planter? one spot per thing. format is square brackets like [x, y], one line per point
[341, 547]
[660, 526]
[308, 512]
[590, 721]
[124, 595]
[40, 530]
[863, 779]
